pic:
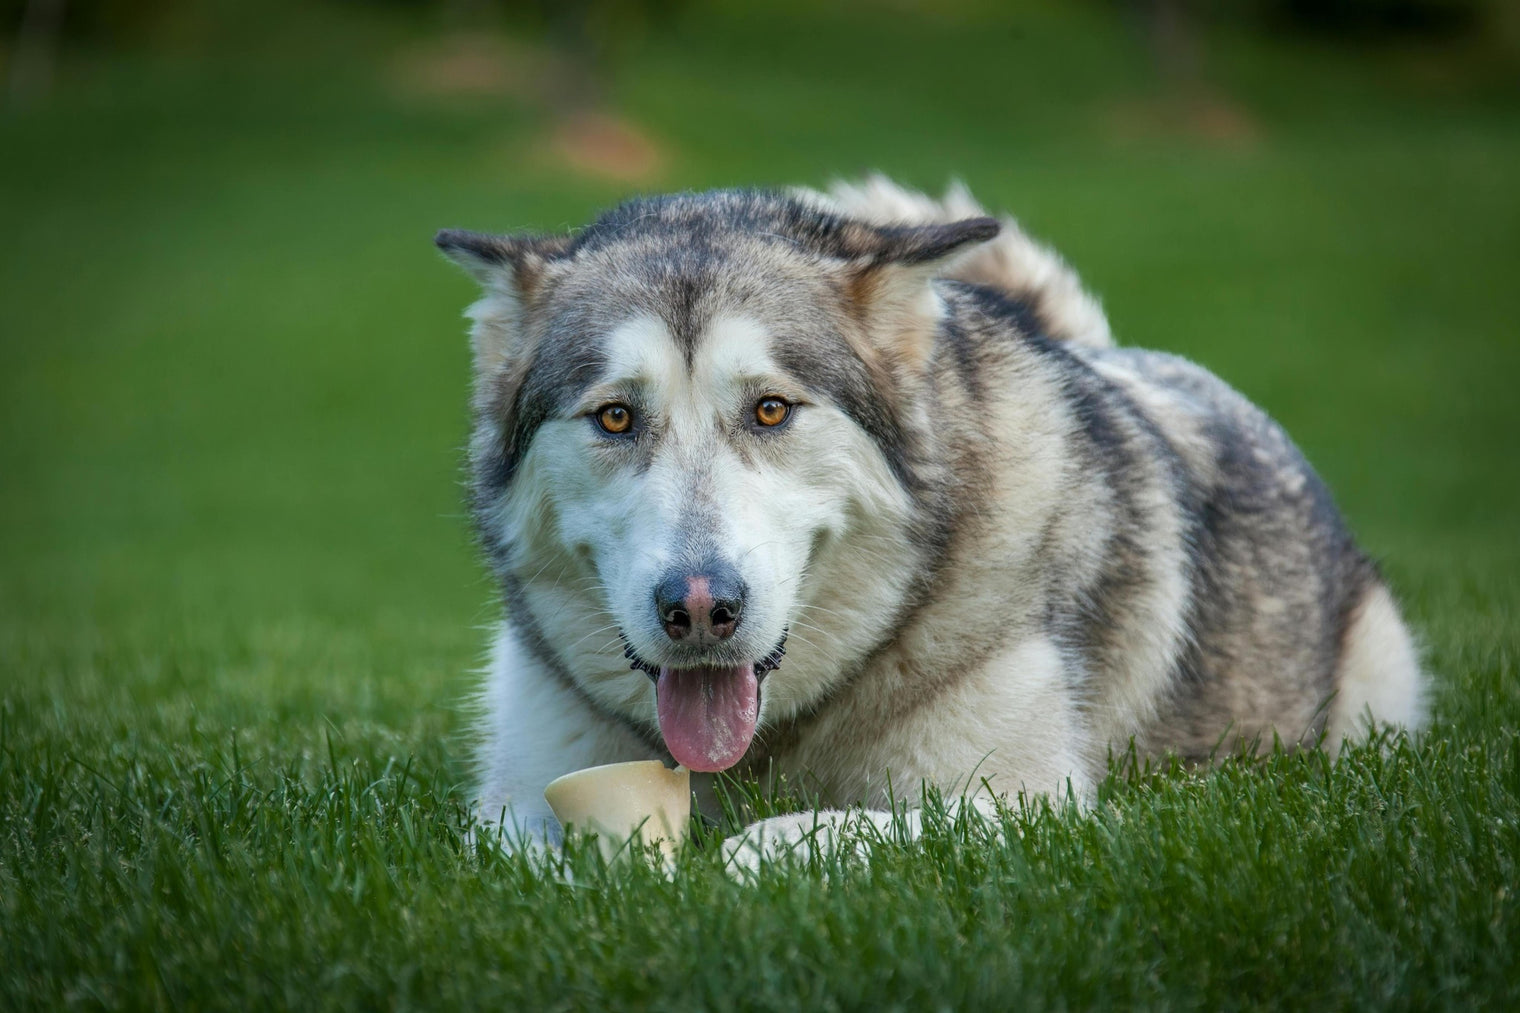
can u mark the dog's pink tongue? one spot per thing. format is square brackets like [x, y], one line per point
[708, 715]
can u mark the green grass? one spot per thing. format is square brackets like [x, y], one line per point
[239, 606]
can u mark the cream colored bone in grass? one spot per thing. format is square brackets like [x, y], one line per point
[619, 800]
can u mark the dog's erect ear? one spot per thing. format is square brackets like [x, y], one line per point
[496, 261]
[887, 281]
[913, 245]
[511, 270]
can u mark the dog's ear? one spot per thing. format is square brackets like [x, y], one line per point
[495, 261]
[915, 245]
[511, 270]
[887, 281]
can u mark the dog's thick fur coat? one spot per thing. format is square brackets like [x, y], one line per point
[994, 545]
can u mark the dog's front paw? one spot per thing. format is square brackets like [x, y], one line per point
[821, 835]
[781, 838]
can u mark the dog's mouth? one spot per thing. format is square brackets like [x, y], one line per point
[708, 713]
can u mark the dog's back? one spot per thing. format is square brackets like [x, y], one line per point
[1284, 606]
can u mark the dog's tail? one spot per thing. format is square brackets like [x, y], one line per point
[1012, 263]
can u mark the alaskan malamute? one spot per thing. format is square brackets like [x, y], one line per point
[856, 487]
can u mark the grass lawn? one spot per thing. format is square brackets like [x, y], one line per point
[239, 605]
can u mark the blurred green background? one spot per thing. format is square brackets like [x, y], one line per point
[233, 370]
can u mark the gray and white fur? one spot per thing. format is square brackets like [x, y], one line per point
[993, 545]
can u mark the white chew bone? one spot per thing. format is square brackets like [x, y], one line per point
[619, 800]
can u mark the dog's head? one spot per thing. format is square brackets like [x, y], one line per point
[697, 436]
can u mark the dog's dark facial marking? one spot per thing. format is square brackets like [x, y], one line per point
[831, 368]
[552, 384]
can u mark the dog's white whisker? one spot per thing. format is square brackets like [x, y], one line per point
[575, 643]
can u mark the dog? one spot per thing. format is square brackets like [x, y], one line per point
[856, 488]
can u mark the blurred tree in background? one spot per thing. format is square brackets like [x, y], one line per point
[600, 26]
[598, 30]
[592, 34]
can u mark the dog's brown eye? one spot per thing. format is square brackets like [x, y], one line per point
[615, 418]
[771, 411]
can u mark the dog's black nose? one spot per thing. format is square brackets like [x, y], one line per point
[700, 607]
